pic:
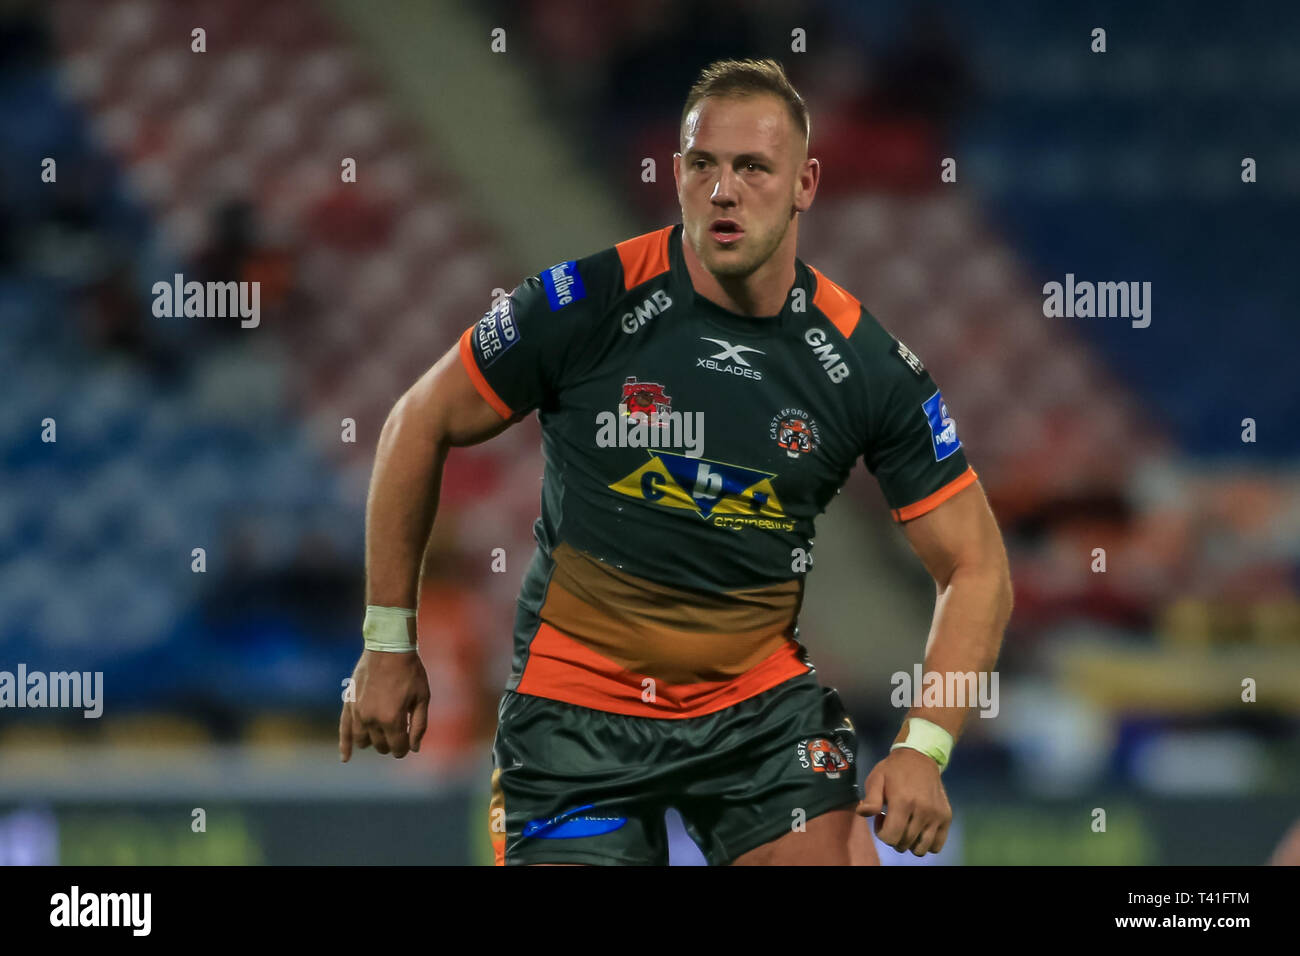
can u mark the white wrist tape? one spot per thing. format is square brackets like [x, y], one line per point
[929, 738]
[384, 629]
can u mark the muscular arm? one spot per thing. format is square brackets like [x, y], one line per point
[441, 410]
[960, 545]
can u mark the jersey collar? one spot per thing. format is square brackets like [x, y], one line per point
[734, 321]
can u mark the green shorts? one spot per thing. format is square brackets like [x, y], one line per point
[585, 786]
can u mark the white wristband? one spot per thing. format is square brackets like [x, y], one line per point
[929, 738]
[384, 629]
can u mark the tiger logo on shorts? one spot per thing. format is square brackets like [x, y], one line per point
[822, 756]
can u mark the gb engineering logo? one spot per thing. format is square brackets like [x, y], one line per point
[727, 496]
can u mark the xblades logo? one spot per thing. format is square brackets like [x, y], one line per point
[730, 360]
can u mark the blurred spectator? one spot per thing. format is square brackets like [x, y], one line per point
[24, 36]
[926, 75]
[316, 588]
[114, 315]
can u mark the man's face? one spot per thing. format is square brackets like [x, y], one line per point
[739, 180]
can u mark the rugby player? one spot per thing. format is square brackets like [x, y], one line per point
[703, 394]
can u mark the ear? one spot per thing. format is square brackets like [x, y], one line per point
[809, 177]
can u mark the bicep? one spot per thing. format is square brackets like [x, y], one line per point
[960, 532]
[446, 400]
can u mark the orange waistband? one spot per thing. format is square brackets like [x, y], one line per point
[561, 668]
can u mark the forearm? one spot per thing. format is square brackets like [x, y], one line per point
[401, 506]
[970, 615]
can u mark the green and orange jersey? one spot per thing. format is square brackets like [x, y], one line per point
[688, 450]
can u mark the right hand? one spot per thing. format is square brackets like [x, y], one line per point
[390, 688]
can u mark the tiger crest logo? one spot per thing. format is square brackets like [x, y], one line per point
[794, 432]
[823, 756]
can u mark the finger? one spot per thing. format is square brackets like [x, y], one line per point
[345, 735]
[360, 736]
[925, 842]
[873, 800]
[923, 819]
[419, 721]
[398, 739]
[378, 738]
[895, 823]
[910, 832]
[940, 838]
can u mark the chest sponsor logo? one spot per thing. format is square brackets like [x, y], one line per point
[657, 304]
[943, 430]
[837, 370]
[725, 495]
[496, 332]
[644, 398]
[563, 284]
[794, 431]
[730, 360]
[645, 419]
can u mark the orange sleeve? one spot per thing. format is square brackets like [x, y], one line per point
[932, 501]
[476, 376]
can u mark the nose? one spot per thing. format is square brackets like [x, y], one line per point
[724, 190]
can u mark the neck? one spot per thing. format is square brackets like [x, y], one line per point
[762, 292]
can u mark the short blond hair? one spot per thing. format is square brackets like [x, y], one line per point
[748, 78]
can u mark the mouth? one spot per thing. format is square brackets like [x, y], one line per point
[726, 232]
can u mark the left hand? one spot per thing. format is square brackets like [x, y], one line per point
[906, 786]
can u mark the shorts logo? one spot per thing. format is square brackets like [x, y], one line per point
[908, 356]
[822, 756]
[572, 824]
[943, 430]
[727, 496]
[496, 331]
[794, 431]
[563, 284]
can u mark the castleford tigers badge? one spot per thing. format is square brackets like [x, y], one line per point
[821, 755]
[794, 431]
